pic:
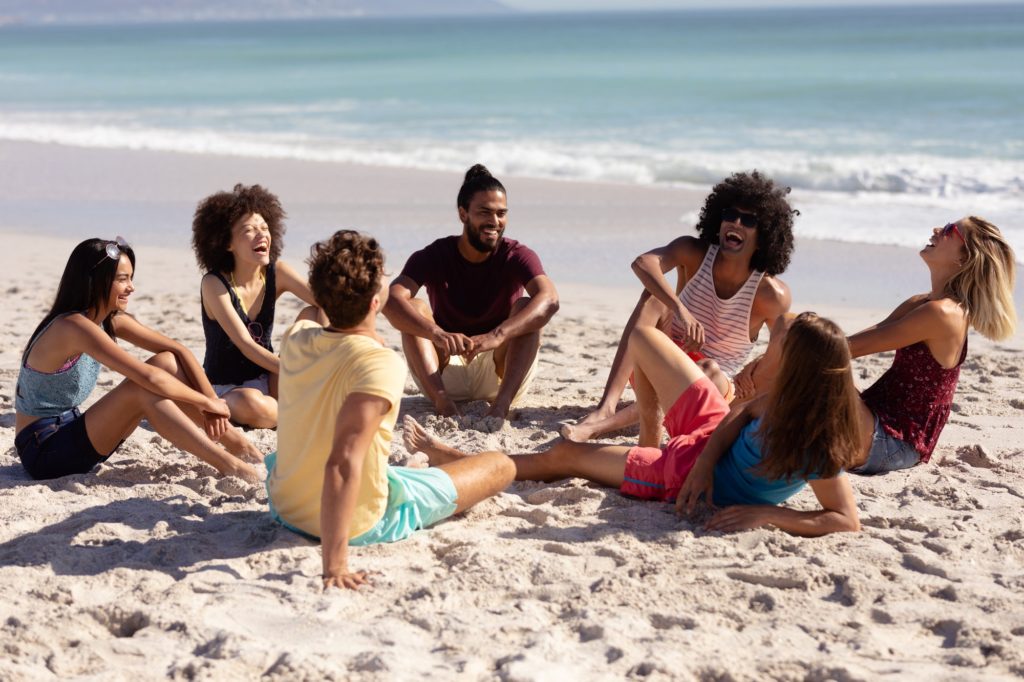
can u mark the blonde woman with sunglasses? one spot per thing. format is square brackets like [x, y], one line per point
[61, 363]
[972, 276]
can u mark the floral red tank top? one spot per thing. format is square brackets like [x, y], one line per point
[913, 398]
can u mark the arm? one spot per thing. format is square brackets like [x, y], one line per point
[651, 267]
[534, 315]
[86, 337]
[290, 281]
[700, 481]
[759, 374]
[357, 422]
[404, 317]
[917, 319]
[134, 332]
[218, 306]
[838, 512]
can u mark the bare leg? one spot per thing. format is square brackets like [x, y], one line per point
[233, 439]
[648, 312]
[512, 363]
[118, 413]
[651, 412]
[478, 477]
[426, 365]
[712, 371]
[669, 370]
[250, 407]
[604, 464]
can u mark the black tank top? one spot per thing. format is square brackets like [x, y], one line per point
[224, 363]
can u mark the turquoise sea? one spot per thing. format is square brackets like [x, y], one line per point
[883, 120]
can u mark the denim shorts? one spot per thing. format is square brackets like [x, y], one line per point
[417, 498]
[52, 447]
[887, 454]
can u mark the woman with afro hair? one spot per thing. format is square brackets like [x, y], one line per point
[236, 236]
[727, 290]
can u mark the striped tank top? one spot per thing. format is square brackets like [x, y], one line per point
[726, 320]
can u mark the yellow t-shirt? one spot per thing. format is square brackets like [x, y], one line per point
[319, 370]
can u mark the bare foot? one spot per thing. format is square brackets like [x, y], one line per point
[599, 422]
[417, 439]
[235, 442]
[586, 428]
[244, 471]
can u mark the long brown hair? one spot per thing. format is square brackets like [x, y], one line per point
[811, 424]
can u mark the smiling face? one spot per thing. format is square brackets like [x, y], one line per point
[946, 247]
[250, 241]
[734, 235]
[122, 286]
[484, 221]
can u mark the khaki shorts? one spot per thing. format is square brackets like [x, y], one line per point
[478, 380]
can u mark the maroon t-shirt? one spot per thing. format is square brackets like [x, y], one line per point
[472, 298]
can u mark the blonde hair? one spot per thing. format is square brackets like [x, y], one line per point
[984, 286]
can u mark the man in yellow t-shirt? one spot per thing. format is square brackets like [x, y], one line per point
[339, 395]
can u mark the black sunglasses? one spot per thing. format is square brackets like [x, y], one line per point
[731, 215]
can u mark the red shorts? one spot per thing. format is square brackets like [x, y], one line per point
[659, 473]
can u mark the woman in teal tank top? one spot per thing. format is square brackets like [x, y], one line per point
[806, 429]
[61, 363]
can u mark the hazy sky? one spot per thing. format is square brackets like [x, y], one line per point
[574, 5]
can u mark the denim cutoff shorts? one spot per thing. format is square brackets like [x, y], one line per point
[52, 447]
[887, 454]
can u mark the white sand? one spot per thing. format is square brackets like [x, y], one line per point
[152, 567]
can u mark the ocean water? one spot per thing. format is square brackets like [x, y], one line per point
[884, 121]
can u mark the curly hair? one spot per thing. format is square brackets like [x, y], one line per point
[345, 274]
[218, 213]
[759, 194]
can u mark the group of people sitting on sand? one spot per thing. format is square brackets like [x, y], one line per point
[742, 436]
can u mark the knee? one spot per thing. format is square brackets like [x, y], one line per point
[255, 408]
[710, 367]
[641, 337]
[502, 468]
[165, 360]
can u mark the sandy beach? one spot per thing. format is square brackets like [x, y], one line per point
[152, 567]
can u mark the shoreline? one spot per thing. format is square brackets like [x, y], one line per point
[586, 233]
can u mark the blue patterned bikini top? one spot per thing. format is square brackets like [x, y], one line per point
[47, 394]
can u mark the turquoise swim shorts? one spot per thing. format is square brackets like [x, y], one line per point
[417, 498]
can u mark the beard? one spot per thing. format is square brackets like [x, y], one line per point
[477, 242]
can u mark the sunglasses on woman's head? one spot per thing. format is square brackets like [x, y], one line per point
[952, 227]
[731, 215]
[113, 250]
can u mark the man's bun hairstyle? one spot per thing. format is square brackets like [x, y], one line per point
[478, 179]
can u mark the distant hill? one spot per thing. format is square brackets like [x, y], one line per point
[140, 11]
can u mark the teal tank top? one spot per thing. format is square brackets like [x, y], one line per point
[736, 480]
[47, 394]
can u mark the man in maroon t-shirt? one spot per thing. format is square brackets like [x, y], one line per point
[478, 339]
